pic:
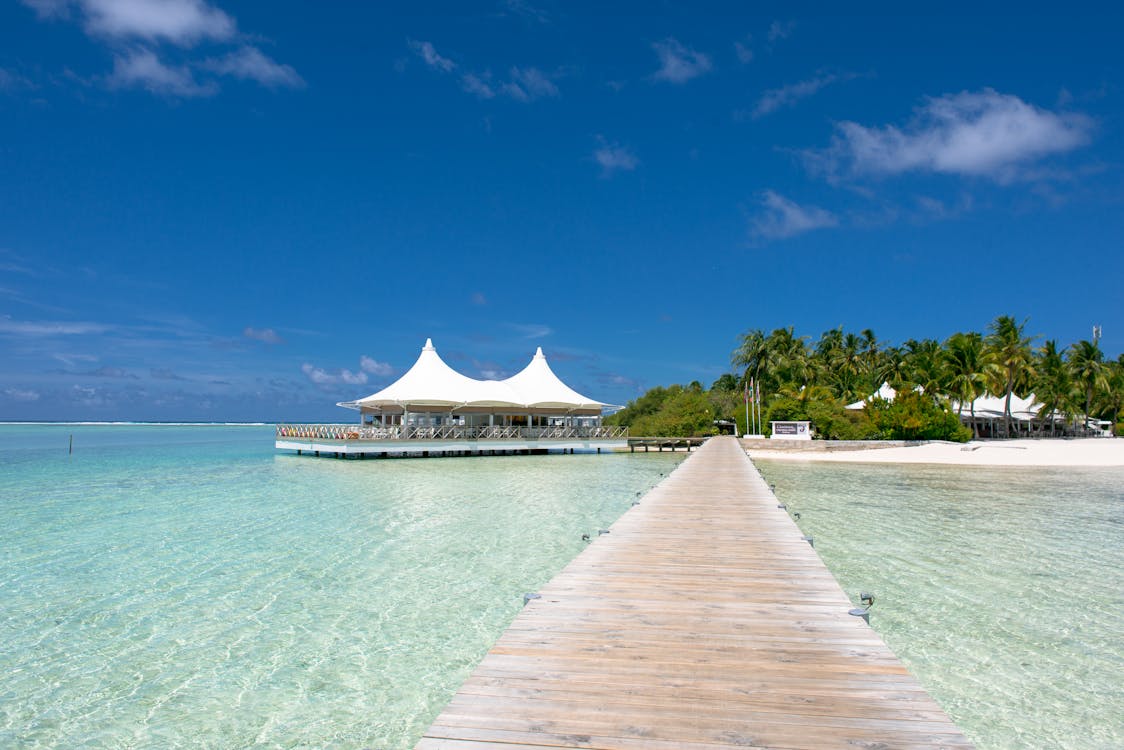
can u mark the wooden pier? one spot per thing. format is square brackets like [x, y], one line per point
[703, 620]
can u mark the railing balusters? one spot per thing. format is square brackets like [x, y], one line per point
[445, 432]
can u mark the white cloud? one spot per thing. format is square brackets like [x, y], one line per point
[526, 10]
[744, 51]
[478, 298]
[477, 86]
[10, 81]
[136, 30]
[780, 30]
[141, 68]
[784, 218]
[786, 96]
[679, 64]
[49, 8]
[17, 394]
[382, 369]
[182, 22]
[251, 64]
[323, 377]
[427, 52]
[529, 83]
[531, 330]
[265, 335]
[42, 328]
[612, 157]
[984, 134]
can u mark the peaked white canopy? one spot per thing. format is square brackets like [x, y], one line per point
[432, 383]
[537, 386]
[1022, 409]
[885, 392]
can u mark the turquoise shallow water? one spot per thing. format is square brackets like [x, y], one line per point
[1001, 589]
[186, 587]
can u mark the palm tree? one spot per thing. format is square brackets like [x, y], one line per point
[1113, 399]
[1086, 363]
[924, 366]
[894, 368]
[966, 371]
[871, 359]
[1053, 387]
[753, 354]
[790, 356]
[1009, 349]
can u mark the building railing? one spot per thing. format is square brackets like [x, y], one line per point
[445, 432]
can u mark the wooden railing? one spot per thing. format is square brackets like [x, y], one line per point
[445, 432]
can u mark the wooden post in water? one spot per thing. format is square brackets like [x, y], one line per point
[70, 452]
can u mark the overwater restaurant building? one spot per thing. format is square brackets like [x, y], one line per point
[432, 394]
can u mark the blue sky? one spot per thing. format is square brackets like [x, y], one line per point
[248, 211]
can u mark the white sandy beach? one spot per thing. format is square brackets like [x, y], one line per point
[1083, 452]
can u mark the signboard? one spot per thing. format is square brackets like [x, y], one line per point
[791, 430]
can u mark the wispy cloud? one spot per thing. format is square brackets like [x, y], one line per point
[265, 335]
[320, 376]
[613, 157]
[163, 373]
[743, 51]
[477, 86]
[787, 96]
[10, 81]
[782, 218]
[47, 328]
[526, 10]
[141, 68]
[427, 52]
[478, 298]
[679, 64]
[181, 22]
[980, 134]
[779, 30]
[108, 372]
[531, 330]
[251, 64]
[524, 84]
[136, 29]
[373, 366]
[527, 84]
[19, 394]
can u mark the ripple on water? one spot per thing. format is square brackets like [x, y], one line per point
[185, 587]
[1001, 589]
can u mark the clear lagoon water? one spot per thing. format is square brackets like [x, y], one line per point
[1001, 589]
[186, 586]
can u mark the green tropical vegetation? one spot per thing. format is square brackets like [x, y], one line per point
[936, 381]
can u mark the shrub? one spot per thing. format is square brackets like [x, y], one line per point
[915, 416]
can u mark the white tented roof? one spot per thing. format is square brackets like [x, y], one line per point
[885, 392]
[431, 382]
[537, 385]
[1023, 409]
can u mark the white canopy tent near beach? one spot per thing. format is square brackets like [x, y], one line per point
[435, 393]
[987, 414]
[885, 392]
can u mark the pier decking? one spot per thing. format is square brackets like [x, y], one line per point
[703, 620]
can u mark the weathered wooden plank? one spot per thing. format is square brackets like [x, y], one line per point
[702, 621]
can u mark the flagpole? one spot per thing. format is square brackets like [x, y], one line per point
[745, 393]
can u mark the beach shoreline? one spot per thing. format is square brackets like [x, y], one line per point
[1081, 452]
